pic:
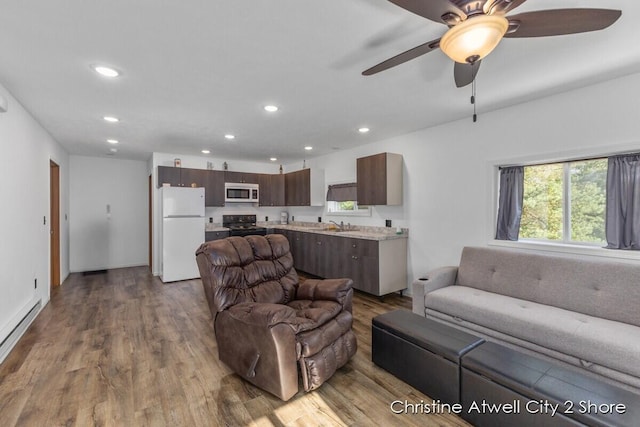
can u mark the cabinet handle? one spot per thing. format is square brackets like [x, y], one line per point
[354, 246]
[354, 257]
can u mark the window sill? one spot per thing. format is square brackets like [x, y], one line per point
[565, 248]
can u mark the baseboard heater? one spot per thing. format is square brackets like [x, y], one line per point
[12, 338]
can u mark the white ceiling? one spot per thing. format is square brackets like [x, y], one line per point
[194, 70]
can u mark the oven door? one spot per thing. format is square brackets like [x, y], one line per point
[261, 231]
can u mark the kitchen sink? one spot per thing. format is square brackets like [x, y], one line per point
[341, 230]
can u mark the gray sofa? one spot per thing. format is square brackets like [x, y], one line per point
[583, 312]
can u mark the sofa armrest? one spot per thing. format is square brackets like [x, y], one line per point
[338, 290]
[435, 279]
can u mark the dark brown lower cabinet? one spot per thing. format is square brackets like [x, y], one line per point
[215, 235]
[377, 267]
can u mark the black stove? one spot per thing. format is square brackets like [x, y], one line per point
[242, 225]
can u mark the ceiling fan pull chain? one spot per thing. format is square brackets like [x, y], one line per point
[473, 99]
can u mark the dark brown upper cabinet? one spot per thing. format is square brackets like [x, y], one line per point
[271, 189]
[181, 177]
[304, 188]
[211, 180]
[244, 177]
[379, 179]
[300, 188]
[214, 188]
[296, 188]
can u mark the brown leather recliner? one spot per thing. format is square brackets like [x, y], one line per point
[266, 322]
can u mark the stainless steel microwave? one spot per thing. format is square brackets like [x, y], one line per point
[241, 192]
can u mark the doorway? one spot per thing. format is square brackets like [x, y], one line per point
[54, 222]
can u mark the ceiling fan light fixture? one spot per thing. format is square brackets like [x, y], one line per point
[475, 38]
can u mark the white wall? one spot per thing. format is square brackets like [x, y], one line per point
[449, 169]
[24, 191]
[102, 240]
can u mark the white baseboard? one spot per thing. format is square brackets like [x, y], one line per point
[11, 333]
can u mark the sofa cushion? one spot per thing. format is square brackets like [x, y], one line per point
[600, 288]
[594, 340]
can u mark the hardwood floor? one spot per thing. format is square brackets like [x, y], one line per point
[123, 349]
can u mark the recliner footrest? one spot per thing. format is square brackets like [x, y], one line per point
[318, 368]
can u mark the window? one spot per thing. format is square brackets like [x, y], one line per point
[342, 200]
[565, 202]
[349, 207]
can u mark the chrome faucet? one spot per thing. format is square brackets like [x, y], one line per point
[341, 225]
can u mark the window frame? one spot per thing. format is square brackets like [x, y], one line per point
[493, 178]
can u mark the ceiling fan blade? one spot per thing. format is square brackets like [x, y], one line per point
[501, 7]
[464, 74]
[560, 21]
[431, 9]
[403, 57]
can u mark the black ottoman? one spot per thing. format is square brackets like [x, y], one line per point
[536, 392]
[421, 352]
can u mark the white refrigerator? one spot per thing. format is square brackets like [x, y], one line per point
[182, 232]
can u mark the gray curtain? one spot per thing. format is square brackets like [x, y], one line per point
[510, 202]
[342, 192]
[623, 202]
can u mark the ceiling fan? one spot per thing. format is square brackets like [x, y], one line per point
[477, 26]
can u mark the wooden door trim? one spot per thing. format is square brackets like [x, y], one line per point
[151, 223]
[54, 223]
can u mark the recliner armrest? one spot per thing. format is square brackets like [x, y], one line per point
[339, 290]
[261, 314]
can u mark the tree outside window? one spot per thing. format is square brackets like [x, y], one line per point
[565, 202]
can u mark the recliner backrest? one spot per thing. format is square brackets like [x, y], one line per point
[247, 269]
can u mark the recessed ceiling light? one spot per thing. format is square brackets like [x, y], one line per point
[308, 147]
[363, 130]
[273, 159]
[112, 141]
[113, 150]
[271, 108]
[106, 71]
[229, 136]
[111, 119]
[205, 151]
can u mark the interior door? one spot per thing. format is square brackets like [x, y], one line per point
[54, 222]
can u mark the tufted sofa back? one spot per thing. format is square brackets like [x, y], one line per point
[596, 287]
[247, 269]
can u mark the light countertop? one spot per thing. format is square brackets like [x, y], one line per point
[358, 232]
